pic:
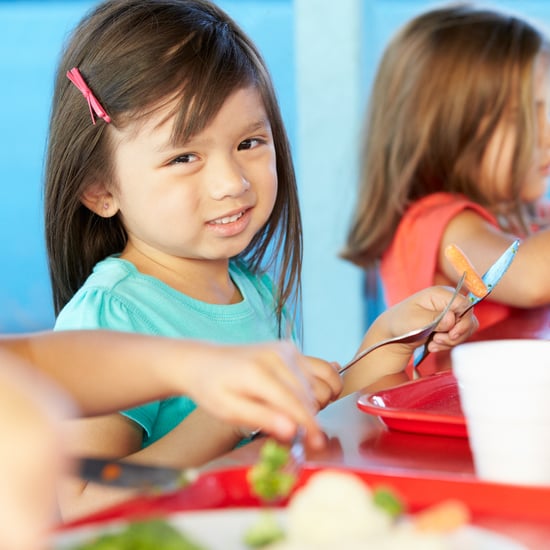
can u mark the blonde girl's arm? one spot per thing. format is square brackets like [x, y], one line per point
[525, 284]
[412, 313]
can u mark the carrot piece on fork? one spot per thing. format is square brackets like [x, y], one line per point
[460, 262]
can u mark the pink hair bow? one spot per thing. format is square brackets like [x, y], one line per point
[95, 107]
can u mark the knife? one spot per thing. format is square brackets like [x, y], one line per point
[493, 275]
[144, 477]
[491, 278]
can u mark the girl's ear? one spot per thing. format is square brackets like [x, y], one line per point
[100, 201]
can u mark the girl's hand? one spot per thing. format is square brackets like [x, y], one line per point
[268, 386]
[415, 312]
[327, 384]
[421, 308]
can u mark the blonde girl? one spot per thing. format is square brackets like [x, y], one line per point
[175, 212]
[457, 150]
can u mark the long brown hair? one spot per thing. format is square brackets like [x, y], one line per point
[135, 55]
[444, 84]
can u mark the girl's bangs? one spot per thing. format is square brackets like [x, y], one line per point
[204, 87]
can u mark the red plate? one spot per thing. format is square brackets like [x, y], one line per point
[429, 405]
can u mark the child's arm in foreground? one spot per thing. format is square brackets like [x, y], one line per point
[271, 386]
[416, 311]
[32, 454]
[268, 385]
[199, 438]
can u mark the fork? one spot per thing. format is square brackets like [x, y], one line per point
[297, 453]
[421, 353]
[411, 336]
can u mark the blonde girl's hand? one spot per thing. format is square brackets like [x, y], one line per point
[268, 386]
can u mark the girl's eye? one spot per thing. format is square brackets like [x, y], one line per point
[250, 144]
[184, 159]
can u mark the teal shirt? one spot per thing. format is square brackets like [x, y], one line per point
[117, 296]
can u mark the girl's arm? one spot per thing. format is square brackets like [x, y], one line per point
[198, 439]
[416, 311]
[271, 386]
[31, 455]
[526, 281]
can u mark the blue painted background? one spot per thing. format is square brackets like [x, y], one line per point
[31, 36]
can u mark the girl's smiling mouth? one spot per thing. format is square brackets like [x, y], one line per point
[232, 223]
[227, 219]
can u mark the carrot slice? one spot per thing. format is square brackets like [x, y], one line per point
[442, 517]
[460, 262]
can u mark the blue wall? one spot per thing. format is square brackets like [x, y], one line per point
[31, 36]
[322, 55]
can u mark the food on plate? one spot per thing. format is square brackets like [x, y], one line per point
[332, 509]
[461, 264]
[330, 500]
[142, 535]
[386, 499]
[268, 478]
[264, 531]
[337, 509]
[443, 516]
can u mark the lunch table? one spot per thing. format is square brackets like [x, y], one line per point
[425, 461]
[423, 468]
[427, 467]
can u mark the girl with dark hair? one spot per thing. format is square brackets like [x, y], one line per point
[170, 211]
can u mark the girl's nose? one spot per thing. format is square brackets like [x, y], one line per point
[227, 180]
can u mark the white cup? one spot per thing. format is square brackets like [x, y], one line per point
[504, 388]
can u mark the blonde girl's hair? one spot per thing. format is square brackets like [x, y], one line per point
[444, 84]
[137, 55]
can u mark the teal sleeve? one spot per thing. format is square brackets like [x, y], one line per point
[99, 309]
[145, 416]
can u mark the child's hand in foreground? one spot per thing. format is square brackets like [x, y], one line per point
[269, 386]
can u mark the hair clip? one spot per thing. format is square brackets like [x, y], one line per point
[95, 107]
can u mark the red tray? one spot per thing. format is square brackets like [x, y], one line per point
[229, 488]
[429, 405]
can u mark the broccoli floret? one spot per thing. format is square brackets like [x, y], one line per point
[264, 531]
[268, 479]
[143, 535]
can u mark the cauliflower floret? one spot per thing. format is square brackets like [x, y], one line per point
[332, 508]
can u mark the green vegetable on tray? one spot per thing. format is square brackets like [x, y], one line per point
[268, 478]
[388, 501]
[264, 531]
[142, 535]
